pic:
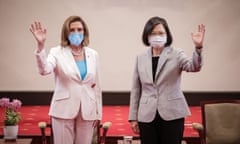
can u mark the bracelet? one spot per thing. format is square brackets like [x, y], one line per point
[199, 47]
[199, 51]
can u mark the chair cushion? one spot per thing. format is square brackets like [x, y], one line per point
[222, 123]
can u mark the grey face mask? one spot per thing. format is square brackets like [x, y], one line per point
[157, 41]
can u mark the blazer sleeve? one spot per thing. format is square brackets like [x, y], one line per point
[45, 64]
[135, 94]
[190, 64]
[98, 89]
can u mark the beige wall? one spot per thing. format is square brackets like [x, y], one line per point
[115, 32]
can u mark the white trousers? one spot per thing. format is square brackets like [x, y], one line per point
[72, 131]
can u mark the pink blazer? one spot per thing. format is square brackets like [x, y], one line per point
[164, 94]
[71, 93]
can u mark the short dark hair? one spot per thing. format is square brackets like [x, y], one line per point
[149, 26]
[66, 30]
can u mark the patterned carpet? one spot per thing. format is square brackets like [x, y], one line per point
[31, 115]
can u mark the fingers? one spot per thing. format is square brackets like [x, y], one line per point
[201, 28]
[135, 128]
[32, 29]
[96, 123]
[36, 26]
[198, 36]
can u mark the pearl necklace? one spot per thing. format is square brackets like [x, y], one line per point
[77, 53]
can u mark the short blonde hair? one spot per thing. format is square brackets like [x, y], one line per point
[66, 30]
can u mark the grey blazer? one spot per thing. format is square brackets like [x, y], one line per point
[165, 94]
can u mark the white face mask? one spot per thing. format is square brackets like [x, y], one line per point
[157, 41]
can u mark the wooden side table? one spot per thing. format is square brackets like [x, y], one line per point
[18, 141]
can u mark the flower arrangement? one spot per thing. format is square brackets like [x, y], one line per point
[12, 117]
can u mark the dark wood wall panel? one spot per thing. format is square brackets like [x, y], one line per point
[114, 98]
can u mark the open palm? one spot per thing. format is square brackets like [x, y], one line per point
[198, 36]
[38, 32]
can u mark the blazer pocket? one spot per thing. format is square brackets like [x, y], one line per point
[143, 100]
[175, 96]
[60, 95]
[174, 93]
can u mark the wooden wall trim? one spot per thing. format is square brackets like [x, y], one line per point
[114, 98]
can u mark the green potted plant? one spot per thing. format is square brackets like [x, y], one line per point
[12, 117]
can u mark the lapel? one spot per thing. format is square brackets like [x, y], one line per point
[71, 66]
[162, 60]
[148, 60]
[90, 62]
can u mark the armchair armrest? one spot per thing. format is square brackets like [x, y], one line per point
[42, 126]
[105, 126]
[199, 128]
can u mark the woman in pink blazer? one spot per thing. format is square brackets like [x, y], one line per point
[76, 105]
[157, 104]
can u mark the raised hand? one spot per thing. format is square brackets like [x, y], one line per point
[198, 37]
[39, 33]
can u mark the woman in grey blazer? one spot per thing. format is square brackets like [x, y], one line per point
[157, 104]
